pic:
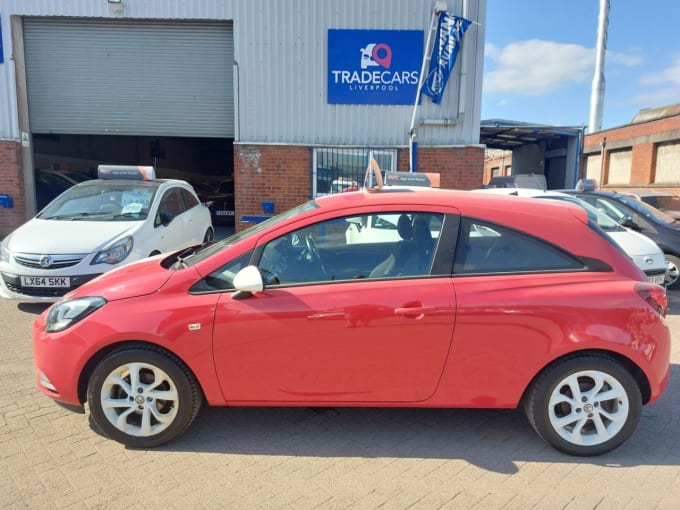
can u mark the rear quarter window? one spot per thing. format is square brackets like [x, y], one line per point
[488, 248]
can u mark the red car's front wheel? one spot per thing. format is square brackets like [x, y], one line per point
[142, 397]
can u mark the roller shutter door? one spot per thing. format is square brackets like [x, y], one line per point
[130, 78]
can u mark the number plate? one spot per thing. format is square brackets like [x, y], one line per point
[658, 278]
[224, 213]
[46, 281]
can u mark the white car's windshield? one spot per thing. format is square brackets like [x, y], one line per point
[602, 220]
[102, 201]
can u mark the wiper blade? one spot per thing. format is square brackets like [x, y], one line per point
[75, 216]
[179, 262]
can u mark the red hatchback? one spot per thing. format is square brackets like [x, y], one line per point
[453, 299]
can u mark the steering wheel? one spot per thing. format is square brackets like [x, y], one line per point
[313, 252]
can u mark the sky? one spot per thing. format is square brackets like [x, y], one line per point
[539, 60]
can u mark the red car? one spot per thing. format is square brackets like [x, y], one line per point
[481, 302]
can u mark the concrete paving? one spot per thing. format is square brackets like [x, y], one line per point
[248, 458]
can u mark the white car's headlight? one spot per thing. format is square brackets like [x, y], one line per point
[4, 250]
[114, 253]
[65, 314]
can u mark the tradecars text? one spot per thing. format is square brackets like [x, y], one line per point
[513, 303]
[98, 225]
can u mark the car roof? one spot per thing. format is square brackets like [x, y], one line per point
[492, 206]
[156, 183]
[650, 193]
[523, 192]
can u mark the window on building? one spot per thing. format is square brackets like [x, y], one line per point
[667, 163]
[594, 167]
[619, 166]
[338, 169]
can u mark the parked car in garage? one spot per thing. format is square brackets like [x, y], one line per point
[660, 227]
[663, 200]
[219, 197]
[98, 225]
[515, 303]
[641, 249]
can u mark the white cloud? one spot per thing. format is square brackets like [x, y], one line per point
[655, 98]
[670, 75]
[535, 66]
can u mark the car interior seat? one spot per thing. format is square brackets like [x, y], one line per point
[390, 265]
[420, 253]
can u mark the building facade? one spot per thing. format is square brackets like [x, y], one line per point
[271, 100]
[642, 154]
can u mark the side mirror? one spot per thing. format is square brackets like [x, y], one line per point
[629, 223]
[164, 217]
[247, 281]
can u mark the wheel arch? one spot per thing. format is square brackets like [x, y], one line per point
[94, 360]
[628, 364]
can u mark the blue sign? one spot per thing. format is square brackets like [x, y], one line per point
[374, 66]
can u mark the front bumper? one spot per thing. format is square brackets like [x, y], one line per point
[11, 288]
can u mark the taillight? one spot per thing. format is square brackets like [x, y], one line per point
[654, 295]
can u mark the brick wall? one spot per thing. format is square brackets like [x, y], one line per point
[642, 139]
[282, 174]
[458, 167]
[11, 183]
[270, 172]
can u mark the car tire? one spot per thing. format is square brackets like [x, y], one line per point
[584, 405]
[124, 393]
[209, 236]
[673, 275]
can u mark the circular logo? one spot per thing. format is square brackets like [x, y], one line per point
[45, 261]
[649, 260]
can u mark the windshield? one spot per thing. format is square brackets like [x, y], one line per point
[646, 210]
[102, 201]
[603, 221]
[208, 250]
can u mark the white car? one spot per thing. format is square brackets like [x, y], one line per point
[641, 249]
[99, 225]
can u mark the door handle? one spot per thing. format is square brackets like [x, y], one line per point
[414, 311]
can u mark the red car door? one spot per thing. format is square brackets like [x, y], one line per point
[360, 341]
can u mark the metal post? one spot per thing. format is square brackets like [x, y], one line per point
[438, 7]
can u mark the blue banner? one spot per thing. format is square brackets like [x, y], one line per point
[2, 52]
[374, 66]
[450, 31]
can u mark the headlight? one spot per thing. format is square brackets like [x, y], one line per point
[4, 250]
[65, 314]
[114, 253]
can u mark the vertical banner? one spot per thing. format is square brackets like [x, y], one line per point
[2, 51]
[450, 31]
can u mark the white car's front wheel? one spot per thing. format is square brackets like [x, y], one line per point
[142, 396]
[584, 405]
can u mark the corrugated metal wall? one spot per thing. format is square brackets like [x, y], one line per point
[280, 49]
[284, 99]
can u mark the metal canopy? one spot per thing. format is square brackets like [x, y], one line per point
[508, 135]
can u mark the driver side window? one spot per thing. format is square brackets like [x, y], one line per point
[368, 246]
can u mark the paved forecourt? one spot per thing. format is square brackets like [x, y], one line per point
[308, 458]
